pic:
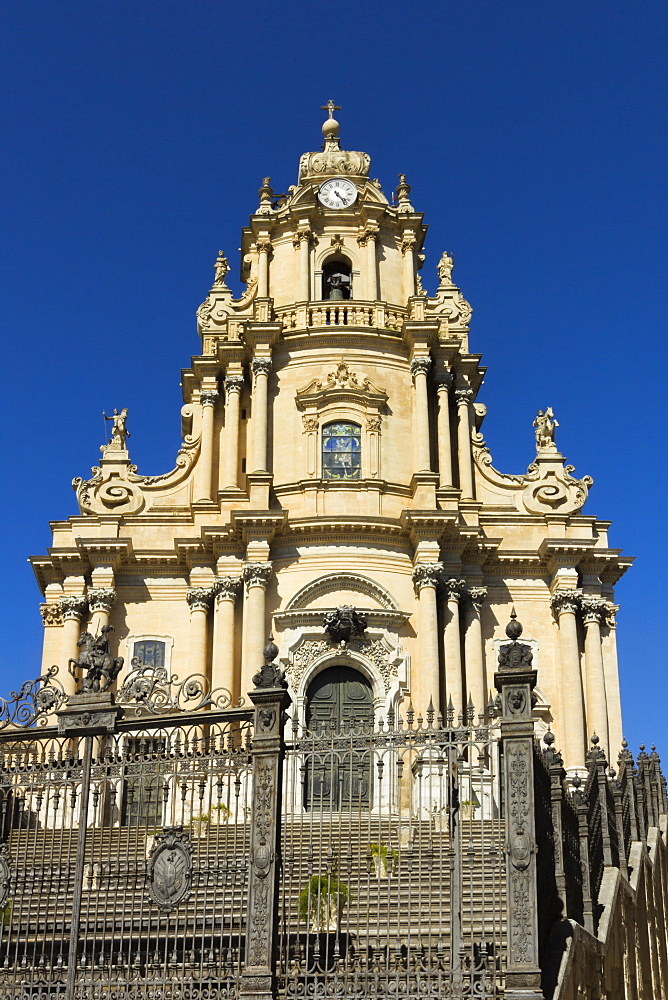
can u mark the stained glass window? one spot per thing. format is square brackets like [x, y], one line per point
[150, 653]
[341, 456]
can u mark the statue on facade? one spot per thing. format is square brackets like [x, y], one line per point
[444, 268]
[221, 268]
[119, 431]
[545, 426]
[341, 625]
[101, 667]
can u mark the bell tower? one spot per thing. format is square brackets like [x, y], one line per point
[333, 458]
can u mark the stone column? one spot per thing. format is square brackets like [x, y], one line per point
[233, 387]
[199, 599]
[100, 601]
[368, 239]
[427, 691]
[73, 610]
[464, 454]
[474, 652]
[222, 665]
[263, 250]
[207, 398]
[611, 670]
[302, 242]
[256, 577]
[443, 383]
[408, 250]
[261, 368]
[452, 643]
[419, 369]
[565, 604]
[594, 614]
[515, 682]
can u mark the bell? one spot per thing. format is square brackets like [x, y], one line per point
[336, 293]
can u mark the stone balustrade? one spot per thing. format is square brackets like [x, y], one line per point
[346, 312]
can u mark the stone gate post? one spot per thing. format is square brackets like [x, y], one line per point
[515, 681]
[270, 700]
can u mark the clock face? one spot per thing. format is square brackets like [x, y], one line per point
[337, 192]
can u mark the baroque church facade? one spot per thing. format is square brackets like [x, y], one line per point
[334, 488]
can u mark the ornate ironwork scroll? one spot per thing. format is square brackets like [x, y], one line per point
[153, 689]
[33, 701]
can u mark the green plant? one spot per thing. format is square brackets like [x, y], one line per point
[386, 854]
[203, 818]
[317, 887]
[224, 812]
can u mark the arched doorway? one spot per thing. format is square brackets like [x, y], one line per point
[339, 703]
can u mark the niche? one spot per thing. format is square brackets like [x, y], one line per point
[337, 282]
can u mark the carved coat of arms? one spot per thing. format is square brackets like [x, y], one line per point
[170, 867]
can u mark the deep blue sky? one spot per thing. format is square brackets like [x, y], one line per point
[135, 136]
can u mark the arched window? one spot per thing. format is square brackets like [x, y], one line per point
[337, 281]
[341, 454]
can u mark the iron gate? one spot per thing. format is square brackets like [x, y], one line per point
[393, 875]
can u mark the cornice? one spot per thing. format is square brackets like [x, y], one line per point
[313, 618]
[358, 527]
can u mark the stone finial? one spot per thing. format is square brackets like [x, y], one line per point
[330, 128]
[265, 195]
[403, 191]
[269, 675]
[515, 655]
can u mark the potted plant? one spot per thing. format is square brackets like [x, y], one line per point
[468, 807]
[200, 824]
[220, 813]
[384, 859]
[321, 902]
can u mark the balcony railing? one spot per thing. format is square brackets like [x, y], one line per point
[342, 312]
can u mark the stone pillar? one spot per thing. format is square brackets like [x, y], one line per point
[302, 242]
[100, 601]
[474, 652]
[256, 577]
[263, 250]
[199, 599]
[73, 610]
[233, 387]
[452, 643]
[408, 250]
[419, 369]
[594, 614]
[428, 688]
[261, 368]
[271, 700]
[443, 383]
[565, 604]
[611, 670]
[464, 454]
[222, 665]
[207, 398]
[515, 681]
[368, 239]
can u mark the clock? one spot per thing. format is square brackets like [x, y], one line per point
[337, 192]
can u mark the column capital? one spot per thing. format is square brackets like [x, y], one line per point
[464, 396]
[443, 381]
[366, 235]
[257, 574]
[73, 607]
[261, 366]
[226, 588]
[454, 588]
[101, 598]
[477, 597]
[310, 423]
[420, 366]
[199, 598]
[427, 575]
[594, 610]
[565, 601]
[263, 246]
[52, 614]
[233, 383]
[208, 397]
[303, 235]
[408, 244]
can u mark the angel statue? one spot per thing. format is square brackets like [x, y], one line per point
[545, 425]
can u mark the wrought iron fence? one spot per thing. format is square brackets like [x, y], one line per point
[125, 853]
[393, 873]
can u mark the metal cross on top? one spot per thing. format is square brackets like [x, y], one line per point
[331, 107]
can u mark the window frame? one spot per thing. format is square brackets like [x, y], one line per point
[323, 467]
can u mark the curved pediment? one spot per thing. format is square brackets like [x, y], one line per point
[341, 384]
[342, 588]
